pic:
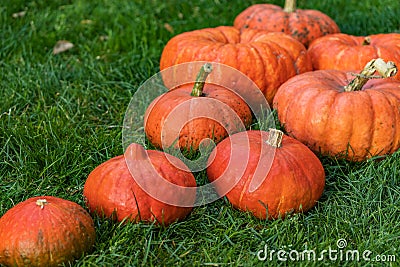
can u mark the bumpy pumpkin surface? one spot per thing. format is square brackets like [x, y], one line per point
[351, 53]
[305, 25]
[316, 109]
[268, 59]
[111, 190]
[294, 182]
[45, 231]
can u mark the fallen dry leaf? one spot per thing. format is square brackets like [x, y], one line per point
[19, 14]
[168, 27]
[103, 38]
[62, 46]
[86, 21]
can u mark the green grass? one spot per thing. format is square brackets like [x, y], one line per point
[62, 115]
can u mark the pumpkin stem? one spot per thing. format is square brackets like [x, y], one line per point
[386, 70]
[366, 41]
[137, 152]
[201, 79]
[290, 6]
[275, 137]
[41, 203]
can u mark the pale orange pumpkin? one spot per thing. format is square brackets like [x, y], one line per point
[268, 59]
[338, 115]
[351, 53]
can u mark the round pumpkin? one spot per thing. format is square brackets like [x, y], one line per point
[338, 115]
[268, 59]
[351, 53]
[185, 116]
[141, 185]
[45, 231]
[305, 25]
[293, 182]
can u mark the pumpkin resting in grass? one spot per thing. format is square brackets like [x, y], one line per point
[351, 53]
[45, 231]
[334, 115]
[268, 59]
[112, 191]
[294, 182]
[188, 114]
[305, 25]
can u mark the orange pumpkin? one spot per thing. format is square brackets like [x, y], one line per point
[305, 25]
[268, 59]
[351, 53]
[293, 182]
[128, 187]
[334, 115]
[45, 231]
[184, 116]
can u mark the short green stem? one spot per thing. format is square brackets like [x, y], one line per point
[201, 79]
[384, 69]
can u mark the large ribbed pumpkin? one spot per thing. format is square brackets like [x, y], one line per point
[268, 59]
[112, 191]
[348, 52]
[336, 114]
[45, 231]
[292, 182]
[304, 25]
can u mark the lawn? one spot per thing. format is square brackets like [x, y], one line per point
[62, 115]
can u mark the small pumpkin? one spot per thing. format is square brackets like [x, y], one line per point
[305, 25]
[351, 53]
[293, 182]
[339, 116]
[186, 115]
[268, 59]
[45, 231]
[118, 188]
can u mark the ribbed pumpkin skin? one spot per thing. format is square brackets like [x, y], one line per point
[111, 191]
[195, 130]
[59, 232]
[305, 25]
[268, 59]
[294, 183]
[356, 125]
[351, 53]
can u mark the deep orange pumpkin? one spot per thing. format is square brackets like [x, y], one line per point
[188, 114]
[335, 115]
[45, 231]
[305, 25]
[351, 53]
[268, 59]
[111, 190]
[294, 182]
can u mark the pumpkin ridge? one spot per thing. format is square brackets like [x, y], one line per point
[245, 188]
[389, 146]
[396, 108]
[322, 127]
[373, 120]
[261, 65]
